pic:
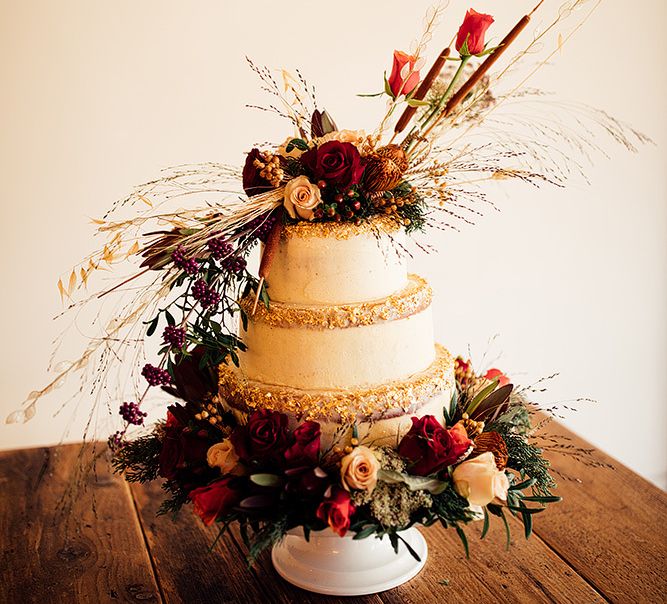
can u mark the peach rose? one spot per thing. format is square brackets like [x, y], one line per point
[222, 455]
[359, 469]
[480, 481]
[356, 137]
[301, 197]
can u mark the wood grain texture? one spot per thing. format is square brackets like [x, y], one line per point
[95, 554]
[610, 526]
[187, 572]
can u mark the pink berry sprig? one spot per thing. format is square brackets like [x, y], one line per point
[132, 414]
[156, 376]
[174, 336]
[190, 266]
[204, 294]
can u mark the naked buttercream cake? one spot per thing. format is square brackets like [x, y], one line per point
[346, 339]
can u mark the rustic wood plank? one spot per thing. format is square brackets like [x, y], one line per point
[528, 572]
[95, 554]
[187, 571]
[610, 526]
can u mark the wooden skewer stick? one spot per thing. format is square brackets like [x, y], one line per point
[423, 89]
[270, 249]
[488, 63]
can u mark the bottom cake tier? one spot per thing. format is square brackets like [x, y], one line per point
[381, 413]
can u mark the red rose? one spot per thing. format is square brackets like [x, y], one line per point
[334, 162]
[470, 38]
[182, 447]
[265, 437]
[336, 510]
[496, 374]
[399, 80]
[306, 447]
[430, 447]
[253, 183]
[215, 499]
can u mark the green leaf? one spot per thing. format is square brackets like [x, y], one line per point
[297, 143]
[461, 533]
[371, 95]
[450, 413]
[170, 318]
[507, 531]
[387, 87]
[524, 509]
[480, 396]
[413, 553]
[527, 523]
[414, 483]
[152, 326]
[543, 498]
[417, 103]
[485, 528]
[266, 480]
[306, 533]
[393, 539]
[523, 485]
[264, 295]
[371, 529]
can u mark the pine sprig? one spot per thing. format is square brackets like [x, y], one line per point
[138, 460]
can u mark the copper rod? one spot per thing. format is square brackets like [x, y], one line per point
[423, 89]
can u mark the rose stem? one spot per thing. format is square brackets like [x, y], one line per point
[268, 255]
[423, 89]
[488, 63]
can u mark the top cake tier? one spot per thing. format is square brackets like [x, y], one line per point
[336, 263]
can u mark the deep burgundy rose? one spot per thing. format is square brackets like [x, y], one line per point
[472, 32]
[182, 447]
[215, 499]
[264, 438]
[306, 447]
[430, 447]
[334, 162]
[336, 510]
[253, 183]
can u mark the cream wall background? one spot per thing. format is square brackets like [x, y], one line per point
[99, 96]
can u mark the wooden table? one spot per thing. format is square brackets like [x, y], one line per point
[605, 542]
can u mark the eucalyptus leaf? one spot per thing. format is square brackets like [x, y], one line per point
[266, 480]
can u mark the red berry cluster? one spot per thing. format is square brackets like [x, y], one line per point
[131, 413]
[203, 293]
[156, 376]
[339, 206]
[189, 266]
[174, 336]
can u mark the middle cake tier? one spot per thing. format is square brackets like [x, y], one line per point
[338, 346]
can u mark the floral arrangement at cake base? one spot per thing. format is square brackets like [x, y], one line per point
[308, 398]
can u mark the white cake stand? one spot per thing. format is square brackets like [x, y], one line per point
[340, 566]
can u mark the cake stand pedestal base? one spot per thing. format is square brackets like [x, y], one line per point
[340, 566]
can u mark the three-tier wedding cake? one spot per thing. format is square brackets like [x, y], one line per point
[346, 339]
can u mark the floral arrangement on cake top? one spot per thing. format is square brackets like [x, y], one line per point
[423, 166]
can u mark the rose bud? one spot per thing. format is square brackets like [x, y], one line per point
[470, 39]
[216, 499]
[496, 374]
[404, 77]
[336, 510]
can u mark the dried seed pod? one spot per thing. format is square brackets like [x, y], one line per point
[494, 443]
[384, 169]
